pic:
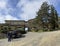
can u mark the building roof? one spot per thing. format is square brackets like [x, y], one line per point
[14, 21]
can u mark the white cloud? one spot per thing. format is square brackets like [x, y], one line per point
[3, 4]
[30, 8]
[9, 17]
[2, 19]
[53, 2]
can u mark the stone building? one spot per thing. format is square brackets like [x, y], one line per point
[12, 25]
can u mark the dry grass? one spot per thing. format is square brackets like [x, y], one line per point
[39, 39]
[50, 39]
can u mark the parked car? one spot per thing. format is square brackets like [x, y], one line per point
[18, 33]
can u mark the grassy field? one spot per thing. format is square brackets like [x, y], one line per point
[35, 39]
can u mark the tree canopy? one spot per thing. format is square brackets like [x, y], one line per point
[47, 17]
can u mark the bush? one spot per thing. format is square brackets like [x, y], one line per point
[3, 31]
[2, 35]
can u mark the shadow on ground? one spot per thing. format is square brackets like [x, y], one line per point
[22, 36]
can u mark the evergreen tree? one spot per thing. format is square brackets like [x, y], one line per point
[54, 18]
[43, 15]
[47, 17]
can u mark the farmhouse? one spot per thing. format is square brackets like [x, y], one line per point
[12, 25]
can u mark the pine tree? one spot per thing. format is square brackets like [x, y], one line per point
[43, 15]
[54, 18]
[47, 17]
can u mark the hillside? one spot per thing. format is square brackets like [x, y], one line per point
[35, 39]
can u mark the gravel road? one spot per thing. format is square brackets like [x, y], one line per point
[35, 39]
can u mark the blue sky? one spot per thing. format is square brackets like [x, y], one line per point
[23, 9]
